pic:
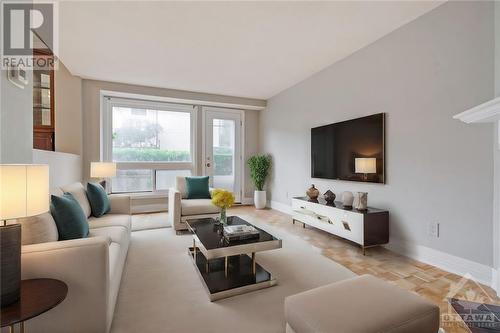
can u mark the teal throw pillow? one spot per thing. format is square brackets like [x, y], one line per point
[70, 219]
[98, 199]
[197, 188]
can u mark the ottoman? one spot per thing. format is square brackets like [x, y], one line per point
[364, 304]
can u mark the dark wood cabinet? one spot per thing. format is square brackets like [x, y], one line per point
[43, 106]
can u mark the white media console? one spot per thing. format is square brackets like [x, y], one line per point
[365, 227]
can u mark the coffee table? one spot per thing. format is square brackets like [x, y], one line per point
[229, 268]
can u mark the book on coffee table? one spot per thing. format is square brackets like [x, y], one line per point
[239, 232]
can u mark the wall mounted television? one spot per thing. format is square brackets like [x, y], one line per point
[350, 150]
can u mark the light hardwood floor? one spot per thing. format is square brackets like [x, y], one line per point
[426, 280]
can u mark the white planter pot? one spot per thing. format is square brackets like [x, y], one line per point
[260, 199]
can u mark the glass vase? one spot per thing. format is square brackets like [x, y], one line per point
[223, 217]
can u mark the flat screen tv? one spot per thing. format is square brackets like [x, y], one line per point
[350, 150]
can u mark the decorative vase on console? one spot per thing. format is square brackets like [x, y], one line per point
[347, 199]
[361, 201]
[330, 198]
[312, 193]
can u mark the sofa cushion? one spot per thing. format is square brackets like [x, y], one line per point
[361, 304]
[198, 207]
[78, 192]
[180, 185]
[117, 234]
[108, 220]
[69, 217]
[38, 229]
[98, 199]
[114, 258]
[197, 187]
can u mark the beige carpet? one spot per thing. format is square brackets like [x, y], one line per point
[161, 292]
[150, 221]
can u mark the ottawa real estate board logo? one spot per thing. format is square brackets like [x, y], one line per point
[29, 28]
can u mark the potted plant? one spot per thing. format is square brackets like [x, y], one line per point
[259, 169]
[224, 200]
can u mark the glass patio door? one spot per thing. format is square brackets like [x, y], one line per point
[222, 149]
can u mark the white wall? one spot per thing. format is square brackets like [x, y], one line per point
[438, 169]
[16, 121]
[64, 168]
[496, 150]
[91, 118]
[68, 111]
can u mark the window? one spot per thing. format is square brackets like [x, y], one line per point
[144, 135]
[151, 142]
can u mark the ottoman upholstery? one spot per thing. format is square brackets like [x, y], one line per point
[363, 304]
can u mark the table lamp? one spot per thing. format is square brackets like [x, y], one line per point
[365, 165]
[24, 191]
[103, 170]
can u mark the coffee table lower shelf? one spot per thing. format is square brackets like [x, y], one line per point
[236, 280]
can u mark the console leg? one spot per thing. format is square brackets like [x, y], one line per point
[253, 263]
[303, 225]
[293, 221]
[194, 251]
[225, 266]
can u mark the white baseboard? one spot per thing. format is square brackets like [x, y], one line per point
[495, 282]
[445, 261]
[284, 208]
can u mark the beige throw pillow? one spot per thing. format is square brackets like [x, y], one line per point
[78, 192]
[180, 185]
[38, 229]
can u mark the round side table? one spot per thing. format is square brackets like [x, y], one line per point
[37, 296]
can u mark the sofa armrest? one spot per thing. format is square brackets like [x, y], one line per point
[174, 209]
[83, 264]
[120, 204]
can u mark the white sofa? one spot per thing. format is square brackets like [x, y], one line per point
[181, 209]
[91, 267]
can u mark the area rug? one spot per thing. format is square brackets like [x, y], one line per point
[161, 291]
[150, 221]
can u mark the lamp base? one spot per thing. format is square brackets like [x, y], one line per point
[10, 263]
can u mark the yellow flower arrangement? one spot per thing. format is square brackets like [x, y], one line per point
[222, 198]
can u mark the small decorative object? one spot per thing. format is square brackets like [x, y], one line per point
[24, 191]
[259, 169]
[224, 200]
[361, 201]
[347, 199]
[17, 76]
[312, 193]
[329, 197]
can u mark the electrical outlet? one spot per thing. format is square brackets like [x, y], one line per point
[433, 229]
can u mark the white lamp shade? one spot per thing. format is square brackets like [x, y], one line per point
[102, 169]
[24, 190]
[365, 165]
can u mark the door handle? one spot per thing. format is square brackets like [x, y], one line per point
[208, 165]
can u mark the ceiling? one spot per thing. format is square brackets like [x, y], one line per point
[246, 49]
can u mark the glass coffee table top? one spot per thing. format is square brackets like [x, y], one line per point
[207, 233]
[229, 268]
